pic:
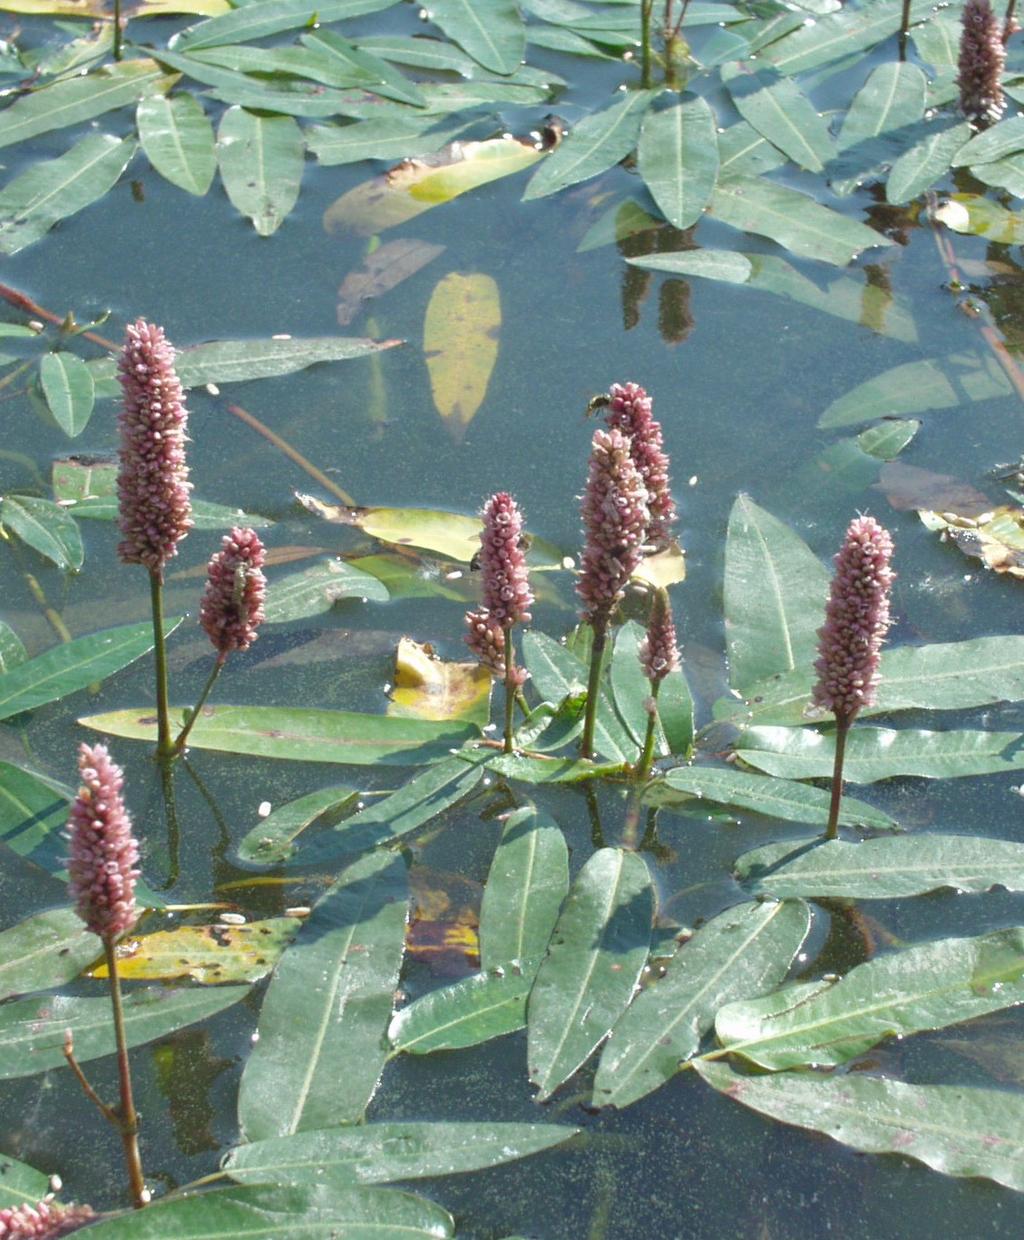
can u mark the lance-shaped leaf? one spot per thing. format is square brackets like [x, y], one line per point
[53, 189]
[321, 1030]
[383, 137]
[526, 884]
[993, 144]
[73, 665]
[266, 17]
[920, 167]
[299, 734]
[775, 592]
[780, 112]
[882, 121]
[44, 951]
[883, 869]
[261, 160]
[272, 840]
[840, 34]
[880, 753]
[491, 31]
[21, 1184]
[466, 1013]
[32, 1030]
[929, 986]
[777, 798]
[598, 948]
[379, 1153]
[596, 144]
[951, 1128]
[298, 1212]
[178, 140]
[69, 389]
[677, 156]
[33, 813]
[45, 527]
[741, 953]
[724, 265]
[794, 220]
[315, 590]
[12, 649]
[209, 955]
[460, 344]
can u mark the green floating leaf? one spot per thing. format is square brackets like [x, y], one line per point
[315, 590]
[53, 189]
[792, 219]
[598, 949]
[840, 34]
[742, 150]
[44, 951]
[261, 161]
[776, 798]
[32, 1030]
[675, 713]
[741, 953]
[930, 986]
[302, 1212]
[993, 144]
[74, 665]
[33, 814]
[775, 593]
[951, 1128]
[883, 869]
[887, 440]
[343, 60]
[920, 167]
[491, 31]
[46, 527]
[677, 156]
[321, 1030]
[724, 265]
[266, 17]
[21, 1184]
[526, 884]
[205, 516]
[550, 770]
[378, 1153]
[272, 841]
[12, 650]
[780, 112]
[69, 389]
[631, 688]
[597, 143]
[880, 753]
[81, 99]
[177, 137]
[884, 114]
[466, 1013]
[392, 138]
[296, 733]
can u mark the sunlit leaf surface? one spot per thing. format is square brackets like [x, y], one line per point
[460, 343]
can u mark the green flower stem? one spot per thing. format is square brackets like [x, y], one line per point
[117, 29]
[211, 680]
[646, 11]
[164, 745]
[510, 689]
[842, 727]
[647, 757]
[600, 627]
[129, 1120]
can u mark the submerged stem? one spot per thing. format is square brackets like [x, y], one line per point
[842, 727]
[129, 1120]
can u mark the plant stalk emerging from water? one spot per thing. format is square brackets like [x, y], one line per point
[659, 655]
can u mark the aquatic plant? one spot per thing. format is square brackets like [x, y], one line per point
[981, 64]
[43, 1220]
[659, 656]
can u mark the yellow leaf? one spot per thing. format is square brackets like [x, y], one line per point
[460, 341]
[428, 688]
[207, 954]
[664, 568]
[416, 185]
[995, 537]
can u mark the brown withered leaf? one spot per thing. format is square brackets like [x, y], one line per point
[443, 930]
[995, 537]
[907, 487]
[381, 271]
[426, 687]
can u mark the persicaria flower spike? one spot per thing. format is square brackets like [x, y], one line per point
[658, 651]
[45, 1220]
[982, 60]
[103, 851]
[629, 410]
[856, 621]
[152, 482]
[486, 638]
[506, 587]
[232, 605]
[615, 522]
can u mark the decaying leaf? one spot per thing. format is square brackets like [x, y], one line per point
[426, 687]
[443, 929]
[381, 271]
[416, 185]
[995, 537]
[906, 487]
[451, 534]
[206, 954]
[663, 569]
[460, 341]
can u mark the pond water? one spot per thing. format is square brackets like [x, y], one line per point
[740, 378]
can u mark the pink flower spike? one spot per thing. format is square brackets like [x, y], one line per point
[658, 651]
[506, 586]
[629, 410]
[615, 521]
[856, 621]
[103, 851]
[981, 64]
[152, 482]
[232, 605]
[46, 1220]
[486, 639]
